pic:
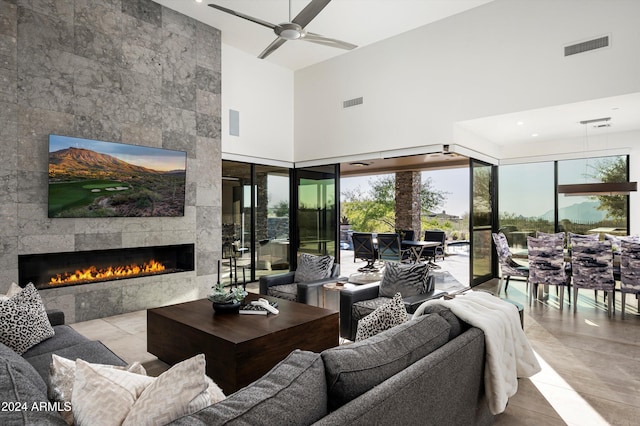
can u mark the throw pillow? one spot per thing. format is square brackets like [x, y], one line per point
[108, 396]
[311, 268]
[24, 320]
[104, 396]
[406, 279]
[386, 316]
[62, 375]
[13, 290]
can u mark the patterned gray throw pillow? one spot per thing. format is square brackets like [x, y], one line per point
[406, 279]
[311, 268]
[24, 320]
[385, 317]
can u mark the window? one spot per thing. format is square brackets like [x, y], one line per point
[526, 201]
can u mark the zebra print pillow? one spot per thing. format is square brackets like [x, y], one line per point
[311, 268]
[406, 279]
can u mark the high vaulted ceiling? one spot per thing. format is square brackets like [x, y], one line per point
[364, 22]
[359, 22]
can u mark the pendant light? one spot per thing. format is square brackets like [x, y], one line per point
[597, 188]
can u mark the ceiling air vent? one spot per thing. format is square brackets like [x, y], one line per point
[585, 46]
[352, 102]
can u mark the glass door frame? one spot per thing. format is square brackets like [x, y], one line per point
[294, 231]
[489, 228]
[252, 219]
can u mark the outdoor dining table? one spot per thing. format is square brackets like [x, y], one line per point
[417, 247]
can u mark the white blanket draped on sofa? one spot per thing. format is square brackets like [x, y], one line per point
[508, 352]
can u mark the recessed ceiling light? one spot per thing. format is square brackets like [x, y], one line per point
[359, 164]
[534, 135]
[198, 1]
[520, 123]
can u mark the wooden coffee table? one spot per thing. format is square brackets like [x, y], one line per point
[238, 348]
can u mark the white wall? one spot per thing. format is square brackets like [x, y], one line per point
[263, 94]
[502, 57]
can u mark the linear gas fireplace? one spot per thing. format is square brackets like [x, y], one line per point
[53, 270]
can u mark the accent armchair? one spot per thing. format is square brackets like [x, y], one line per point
[359, 301]
[305, 289]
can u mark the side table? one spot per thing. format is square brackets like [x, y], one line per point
[333, 287]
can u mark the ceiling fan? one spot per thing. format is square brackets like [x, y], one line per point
[294, 29]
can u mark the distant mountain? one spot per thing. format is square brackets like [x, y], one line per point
[585, 212]
[87, 164]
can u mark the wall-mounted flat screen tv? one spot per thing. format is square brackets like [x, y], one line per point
[89, 178]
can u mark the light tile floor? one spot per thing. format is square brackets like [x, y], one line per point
[590, 376]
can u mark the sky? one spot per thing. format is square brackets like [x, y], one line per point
[455, 182]
[151, 158]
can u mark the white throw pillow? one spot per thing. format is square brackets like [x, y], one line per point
[13, 290]
[62, 375]
[106, 396]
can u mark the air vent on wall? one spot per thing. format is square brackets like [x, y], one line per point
[352, 102]
[585, 46]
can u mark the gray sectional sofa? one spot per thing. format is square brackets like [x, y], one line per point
[23, 379]
[427, 371]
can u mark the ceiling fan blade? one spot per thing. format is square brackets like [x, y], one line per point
[243, 16]
[273, 46]
[327, 41]
[310, 11]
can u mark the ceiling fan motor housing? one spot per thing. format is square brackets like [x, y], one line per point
[289, 31]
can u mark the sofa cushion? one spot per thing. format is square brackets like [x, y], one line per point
[406, 279]
[24, 320]
[10, 356]
[284, 291]
[352, 370]
[311, 268]
[90, 351]
[294, 392]
[383, 318]
[64, 337]
[457, 326]
[19, 383]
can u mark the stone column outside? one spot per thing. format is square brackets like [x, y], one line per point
[408, 203]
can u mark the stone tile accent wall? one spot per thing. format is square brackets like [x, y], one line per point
[126, 71]
[408, 202]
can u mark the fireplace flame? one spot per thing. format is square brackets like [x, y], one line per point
[92, 273]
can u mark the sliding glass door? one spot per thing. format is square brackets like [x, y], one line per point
[255, 221]
[481, 221]
[317, 210]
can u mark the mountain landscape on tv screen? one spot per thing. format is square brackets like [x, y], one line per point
[86, 183]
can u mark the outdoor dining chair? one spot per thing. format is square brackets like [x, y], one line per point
[364, 249]
[390, 248]
[508, 266]
[629, 271]
[407, 235]
[434, 252]
[592, 268]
